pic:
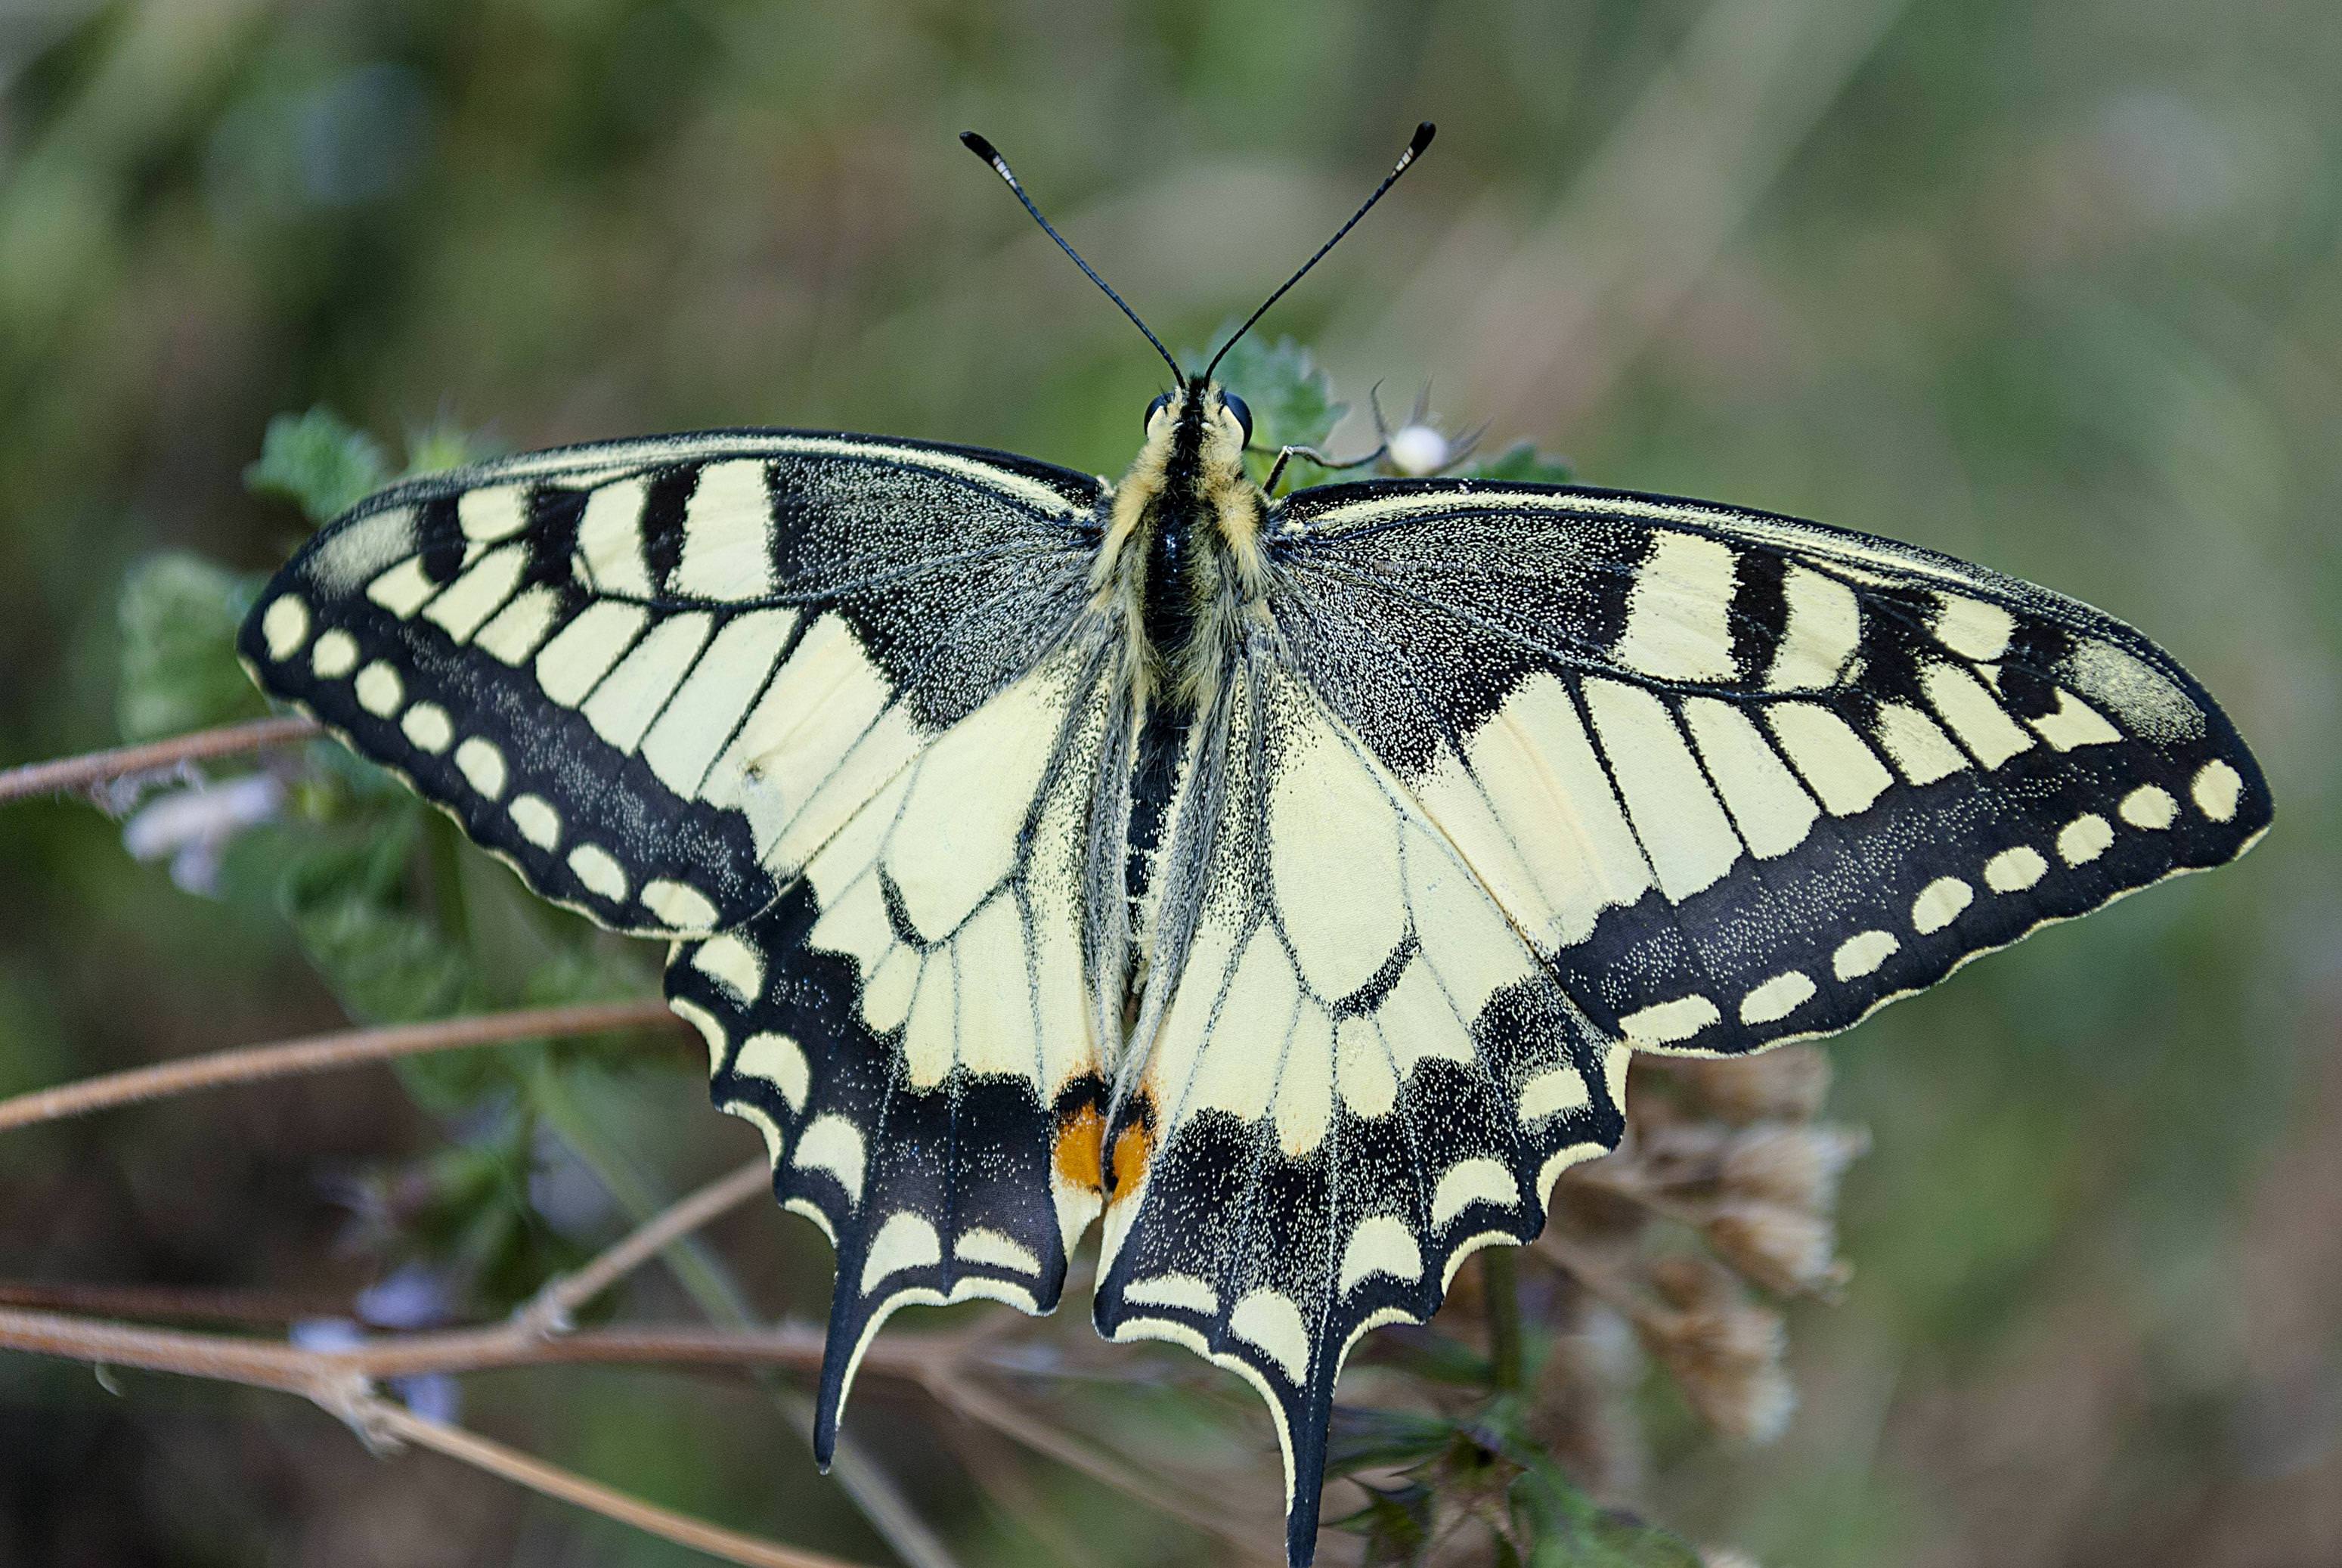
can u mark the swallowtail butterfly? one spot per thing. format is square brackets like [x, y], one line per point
[1286, 880]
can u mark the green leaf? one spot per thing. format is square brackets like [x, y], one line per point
[319, 463]
[1291, 399]
[444, 444]
[179, 614]
[1364, 1439]
[1396, 1523]
[1521, 463]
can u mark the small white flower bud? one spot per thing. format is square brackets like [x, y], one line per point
[1418, 450]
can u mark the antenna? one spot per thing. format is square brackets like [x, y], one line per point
[1415, 144]
[991, 154]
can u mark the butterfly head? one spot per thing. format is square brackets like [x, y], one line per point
[1197, 434]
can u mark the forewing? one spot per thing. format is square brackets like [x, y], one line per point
[1740, 778]
[907, 1026]
[657, 675]
[1363, 1073]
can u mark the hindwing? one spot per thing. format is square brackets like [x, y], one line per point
[908, 1026]
[1362, 1072]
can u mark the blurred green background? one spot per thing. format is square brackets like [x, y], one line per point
[2056, 285]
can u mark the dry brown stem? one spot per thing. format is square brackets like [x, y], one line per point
[92, 768]
[317, 1052]
[342, 1381]
[396, 1421]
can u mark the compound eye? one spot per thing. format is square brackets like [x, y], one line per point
[1162, 401]
[1237, 407]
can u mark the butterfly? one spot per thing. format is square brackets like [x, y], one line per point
[1284, 880]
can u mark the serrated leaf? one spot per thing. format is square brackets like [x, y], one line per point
[179, 614]
[1521, 463]
[1291, 399]
[319, 462]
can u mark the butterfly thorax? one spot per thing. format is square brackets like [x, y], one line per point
[1181, 562]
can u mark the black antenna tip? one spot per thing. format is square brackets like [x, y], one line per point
[1423, 134]
[979, 146]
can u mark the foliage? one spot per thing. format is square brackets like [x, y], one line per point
[318, 463]
[178, 614]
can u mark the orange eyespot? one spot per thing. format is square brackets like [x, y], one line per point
[1081, 1139]
[1132, 1146]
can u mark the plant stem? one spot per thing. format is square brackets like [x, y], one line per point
[343, 1048]
[1500, 1285]
[90, 768]
[397, 1421]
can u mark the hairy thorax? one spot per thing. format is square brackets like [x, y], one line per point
[1181, 565]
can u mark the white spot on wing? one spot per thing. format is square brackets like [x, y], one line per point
[1182, 1291]
[2013, 869]
[479, 593]
[1824, 626]
[599, 870]
[379, 690]
[1271, 1322]
[492, 512]
[1381, 1245]
[1303, 1107]
[403, 589]
[906, 1241]
[2083, 839]
[1862, 953]
[2216, 790]
[517, 630]
[730, 962]
[678, 905]
[1939, 904]
[335, 655]
[1666, 1023]
[609, 537]
[428, 726]
[1972, 628]
[1549, 1093]
[983, 1244]
[780, 1061]
[1473, 1180]
[483, 766]
[1982, 725]
[2150, 806]
[1921, 751]
[538, 821]
[2073, 722]
[1776, 998]
[1362, 1069]
[833, 1144]
[285, 626]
